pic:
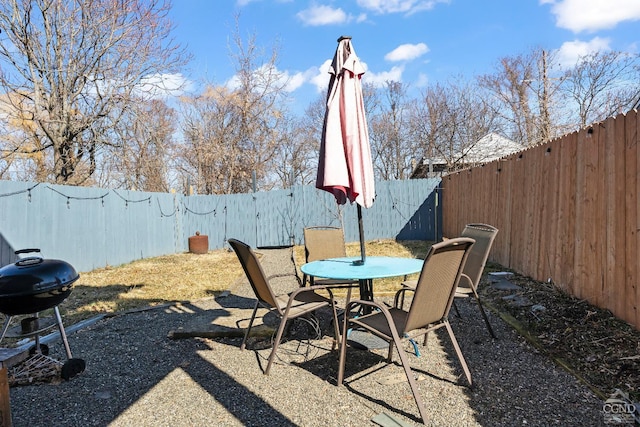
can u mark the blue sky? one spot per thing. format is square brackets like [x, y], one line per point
[416, 42]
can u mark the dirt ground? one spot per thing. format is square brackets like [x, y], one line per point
[594, 345]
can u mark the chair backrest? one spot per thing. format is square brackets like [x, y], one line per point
[323, 242]
[255, 273]
[437, 282]
[484, 236]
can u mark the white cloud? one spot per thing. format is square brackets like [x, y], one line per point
[290, 82]
[423, 81]
[399, 6]
[321, 78]
[380, 79]
[407, 52]
[296, 80]
[322, 15]
[570, 52]
[593, 15]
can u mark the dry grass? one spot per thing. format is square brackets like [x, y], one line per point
[153, 281]
[188, 277]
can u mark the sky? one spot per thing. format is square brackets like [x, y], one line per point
[416, 42]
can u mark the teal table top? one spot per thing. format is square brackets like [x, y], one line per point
[374, 267]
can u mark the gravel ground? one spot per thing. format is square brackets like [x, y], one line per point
[139, 373]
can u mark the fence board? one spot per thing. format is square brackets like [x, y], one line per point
[548, 217]
[599, 245]
[586, 215]
[565, 240]
[608, 254]
[517, 213]
[616, 246]
[534, 207]
[632, 220]
[503, 197]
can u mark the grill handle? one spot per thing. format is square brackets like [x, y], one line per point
[28, 261]
[26, 251]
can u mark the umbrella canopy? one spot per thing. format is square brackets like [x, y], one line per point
[345, 168]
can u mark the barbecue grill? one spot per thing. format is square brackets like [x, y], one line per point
[30, 286]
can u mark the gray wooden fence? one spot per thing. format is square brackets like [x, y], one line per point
[94, 227]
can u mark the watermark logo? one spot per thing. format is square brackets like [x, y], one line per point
[619, 410]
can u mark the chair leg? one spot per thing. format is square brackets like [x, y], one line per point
[343, 347]
[412, 383]
[336, 328]
[276, 342]
[458, 351]
[246, 333]
[390, 352]
[348, 296]
[484, 314]
[456, 308]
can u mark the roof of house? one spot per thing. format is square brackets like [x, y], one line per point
[491, 147]
[487, 149]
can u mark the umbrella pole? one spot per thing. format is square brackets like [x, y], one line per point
[363, 255]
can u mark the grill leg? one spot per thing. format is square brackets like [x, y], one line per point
[5, 327]
[63, 335]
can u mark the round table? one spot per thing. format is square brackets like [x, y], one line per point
[351, 268]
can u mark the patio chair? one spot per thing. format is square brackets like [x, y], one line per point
[484, 235]
[428, 311]
[322, 242]
[300, 302]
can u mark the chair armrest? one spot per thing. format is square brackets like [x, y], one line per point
[465, 282]
[383, 309]
[310, 289]
[302, 289]
[361, 302]
[400, 293]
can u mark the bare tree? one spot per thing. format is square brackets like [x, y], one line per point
[450, 120]
[212, 159]
[297, 154]
[73, 67]
[233, 132]
[603, 84]
[511, 85]
[143, 162]
[392, 145]
[17, 137]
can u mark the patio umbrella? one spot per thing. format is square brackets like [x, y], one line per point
[345, 168]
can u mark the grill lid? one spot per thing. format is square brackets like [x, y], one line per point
[35, 275]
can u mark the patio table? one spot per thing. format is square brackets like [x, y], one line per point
[351, 268]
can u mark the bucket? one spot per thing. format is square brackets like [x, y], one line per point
[198, 244]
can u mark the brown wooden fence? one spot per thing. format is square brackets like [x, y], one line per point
[568, 211]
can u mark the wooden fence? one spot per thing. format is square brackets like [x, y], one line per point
[568, 212]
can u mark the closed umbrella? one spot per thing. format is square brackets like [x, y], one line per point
[345, 168]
